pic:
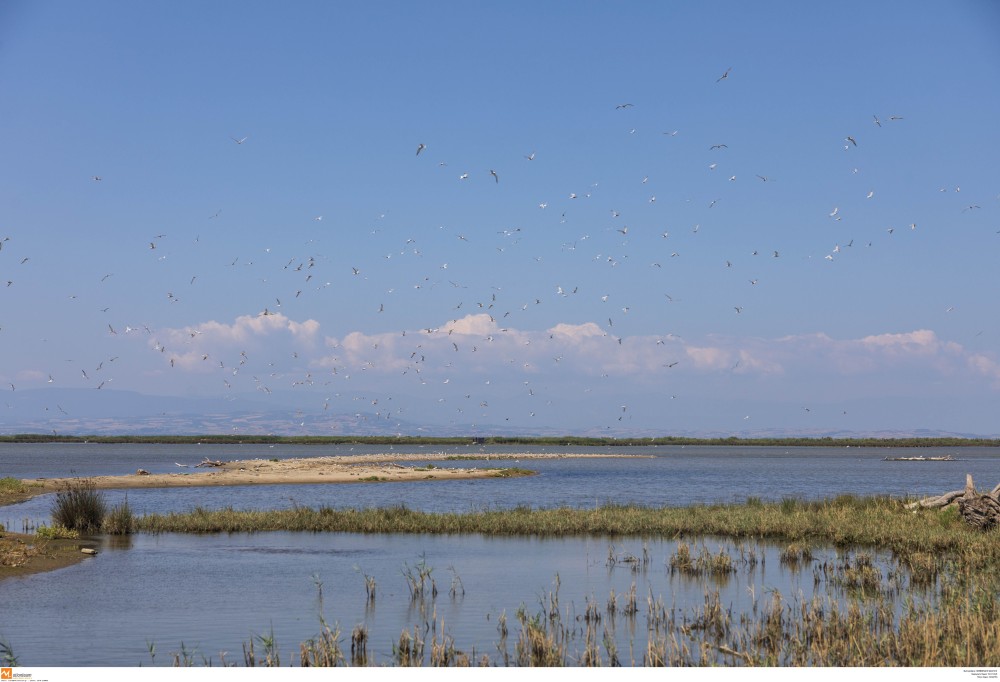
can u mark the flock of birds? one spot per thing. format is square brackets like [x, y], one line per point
[478, 321]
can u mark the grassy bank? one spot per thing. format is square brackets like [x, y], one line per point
[843, 521]
[13, 490]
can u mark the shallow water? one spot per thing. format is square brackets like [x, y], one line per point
[655, 476]
[215, 592]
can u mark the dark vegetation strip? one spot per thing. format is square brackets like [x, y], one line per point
[561, 441]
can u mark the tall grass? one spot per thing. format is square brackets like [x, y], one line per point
[79, 506]
[845, 521]
[119, 520]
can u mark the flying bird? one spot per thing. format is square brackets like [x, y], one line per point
[851, 140]
[421, 147]
[239, 141]
[495, 176]
[725, 75]
[624, 106]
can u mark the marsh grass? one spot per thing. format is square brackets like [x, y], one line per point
[795, 555]
[685, 562]
[79, 506]
[845, 521]
[959, 626]
[119, 520]
[13, 490]
[419, 581]
[853, 619]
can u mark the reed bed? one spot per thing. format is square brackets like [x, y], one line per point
[950, 617]
[844, 521]
[960, 628]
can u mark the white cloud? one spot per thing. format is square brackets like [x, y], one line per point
[207, 344]
[475, 347]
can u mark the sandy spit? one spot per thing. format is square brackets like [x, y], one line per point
[338, 469]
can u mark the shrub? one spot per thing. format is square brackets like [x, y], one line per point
[56, 533]
[79, 506]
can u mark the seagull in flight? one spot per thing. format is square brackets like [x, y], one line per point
[495, 176]
[851, 140]
[624, 106]
[718, 146]
[239, 141]
[725, 75]
[421, 147]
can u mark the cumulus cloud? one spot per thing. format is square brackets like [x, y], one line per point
[193, 346]
[477, 346]
[575, 332]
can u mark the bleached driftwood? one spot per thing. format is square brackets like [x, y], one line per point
[210, 463]
[937, 501]
[980, 510]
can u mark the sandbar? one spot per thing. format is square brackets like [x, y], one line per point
[331, 469]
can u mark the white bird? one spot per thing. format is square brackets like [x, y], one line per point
[239, 141]
[495, 176]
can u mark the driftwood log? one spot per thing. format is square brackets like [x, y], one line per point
[980, 510]
[210, 463]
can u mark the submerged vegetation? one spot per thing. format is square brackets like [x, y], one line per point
[855, 620]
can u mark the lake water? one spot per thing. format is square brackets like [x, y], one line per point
[213, 593]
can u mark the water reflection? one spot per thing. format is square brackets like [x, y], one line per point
[215, 592]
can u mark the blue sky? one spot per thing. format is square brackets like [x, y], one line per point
[714, 216]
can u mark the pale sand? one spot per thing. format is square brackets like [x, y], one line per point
[340, 469]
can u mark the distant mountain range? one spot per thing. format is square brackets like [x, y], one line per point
[82, 412]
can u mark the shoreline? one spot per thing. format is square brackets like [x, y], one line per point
[35, 555]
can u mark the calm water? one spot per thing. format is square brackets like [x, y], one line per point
[215, 592]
